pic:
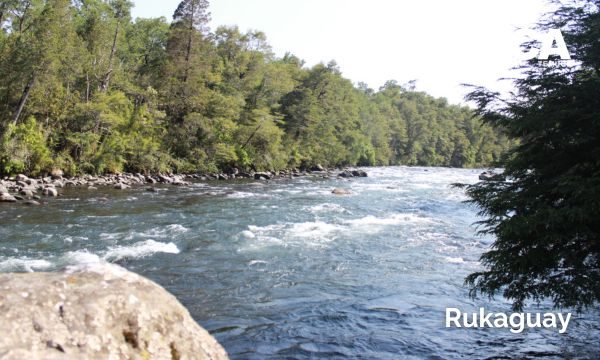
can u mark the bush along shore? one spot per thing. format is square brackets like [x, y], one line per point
[30, 191]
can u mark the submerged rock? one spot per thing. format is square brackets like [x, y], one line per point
[103, 312]
[491, 176]
[338, 191]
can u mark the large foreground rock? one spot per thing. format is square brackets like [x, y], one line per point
[103, 312]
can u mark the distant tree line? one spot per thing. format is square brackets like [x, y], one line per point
[86, 89]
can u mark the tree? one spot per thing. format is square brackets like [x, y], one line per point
[145, 56]
[34, 51]
[545, 218]
[190, 20]
[121, 9]
[188, 68]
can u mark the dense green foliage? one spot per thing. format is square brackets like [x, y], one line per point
[86, 89]
[545, 219]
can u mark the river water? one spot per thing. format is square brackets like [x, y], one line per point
[289, 270]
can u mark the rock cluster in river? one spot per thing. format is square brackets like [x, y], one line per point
[104, 312]
[352, 173]
[30, 191]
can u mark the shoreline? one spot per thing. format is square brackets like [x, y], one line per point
[22, 189]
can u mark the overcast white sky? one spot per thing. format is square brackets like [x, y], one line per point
[439, 43]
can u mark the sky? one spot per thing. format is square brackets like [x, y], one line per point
[440, 44]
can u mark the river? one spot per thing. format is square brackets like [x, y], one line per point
[289, 270]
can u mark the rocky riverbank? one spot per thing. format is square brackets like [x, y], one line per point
[30, 191]
[101, 312]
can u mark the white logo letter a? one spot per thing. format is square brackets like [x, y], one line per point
[560, 49]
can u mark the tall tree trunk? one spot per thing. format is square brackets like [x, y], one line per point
[87, 87]
[189, 46]
[106, 80]
[24, 98]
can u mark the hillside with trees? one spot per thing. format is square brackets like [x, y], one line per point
[87, 89]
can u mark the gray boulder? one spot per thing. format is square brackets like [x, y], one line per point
[57, 174]
[359, 173]
[50, 191]
[27, 192]
[341, 192]
[262, 176]
[5, 197]
[102, 312]
[353, 173]
[165, 179]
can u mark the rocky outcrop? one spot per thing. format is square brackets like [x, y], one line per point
[104, 312]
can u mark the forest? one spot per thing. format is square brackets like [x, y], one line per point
[87, 89]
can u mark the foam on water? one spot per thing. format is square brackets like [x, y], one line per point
[139, 250]
[256, 262]
[326, 208]
[267, 228]
[71, 239]
[316, 230]
[248, 234]
[454, 260]
[314, 233]
[168, 231]
[394, 219]
[24, 264]
[80, 257]
[241, 195]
